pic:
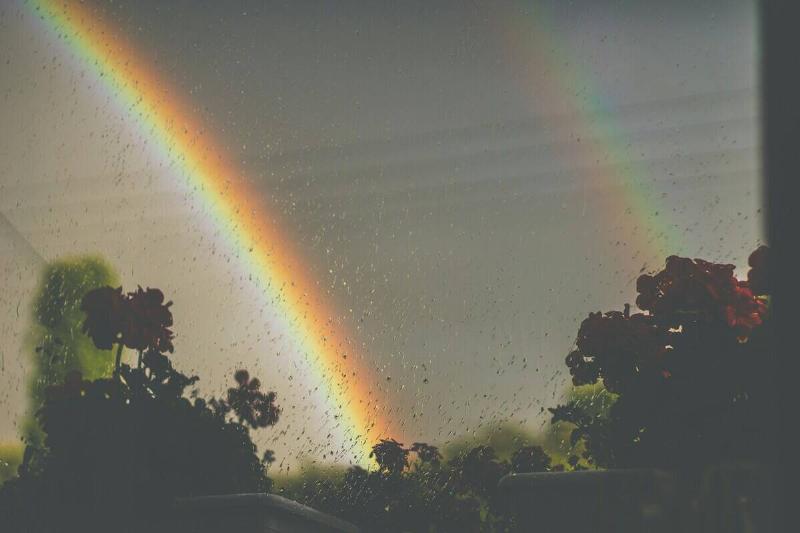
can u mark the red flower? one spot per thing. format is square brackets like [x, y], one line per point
[147, 321]
[140, 320]
[758, 275]
[690, 291]
[256, 408]
[105, 310]
[618, 348]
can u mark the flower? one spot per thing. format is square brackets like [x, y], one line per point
[690, 291]
[758, 275]
[390, 455]
[250, 404]
[618, 348]
[105, 310]
[140, 320]
[147, 321]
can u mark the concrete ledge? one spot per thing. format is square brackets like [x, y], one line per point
[612, 501]
[718, 499]
[647, 479]
[255, 513]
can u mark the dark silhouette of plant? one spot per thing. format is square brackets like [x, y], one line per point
[391, 457]
[758, 278]
[148, 321]
[105, 316]
[118, 451]
[530, 459]
[428, 495]
[480, 471]
[250, 404]
[688, 374]
[426, 453]
[139, 320]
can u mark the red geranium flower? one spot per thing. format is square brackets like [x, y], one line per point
[690, 291]
[147, 321]
[758, 275]
[256, 408]
[105, 310]
[140, 320]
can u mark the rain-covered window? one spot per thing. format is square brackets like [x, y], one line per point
[401, 250]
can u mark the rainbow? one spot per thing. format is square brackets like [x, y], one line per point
[253, 232]
[603, 154]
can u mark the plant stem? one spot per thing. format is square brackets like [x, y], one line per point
[119, 360]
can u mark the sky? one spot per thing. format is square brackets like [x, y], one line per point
[465, 182]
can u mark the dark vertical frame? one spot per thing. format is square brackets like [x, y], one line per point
[780, 77]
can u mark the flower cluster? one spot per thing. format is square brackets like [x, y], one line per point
[758, 275]
[686, 366]
[619, 348]
[689, 291]
[390, 455]
[251, 405]
[139, 320]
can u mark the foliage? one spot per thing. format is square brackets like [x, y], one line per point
[504, 438]
[391, 457]
[252, 406]
[426, 453]
[10, 459]
[120, 449]
[689, 374]
[530, 459]
[595, 401]
[57, 347]
[423, 494]
[679, 385]
[138, 320]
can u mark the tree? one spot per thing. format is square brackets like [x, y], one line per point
[689, 373]
[57, 346]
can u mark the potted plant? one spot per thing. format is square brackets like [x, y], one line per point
[691, 406]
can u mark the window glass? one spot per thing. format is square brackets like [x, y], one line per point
[395, 214]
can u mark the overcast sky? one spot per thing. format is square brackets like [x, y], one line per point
[422, 165]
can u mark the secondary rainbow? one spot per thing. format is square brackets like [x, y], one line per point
[253, 232]
[602, 156]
